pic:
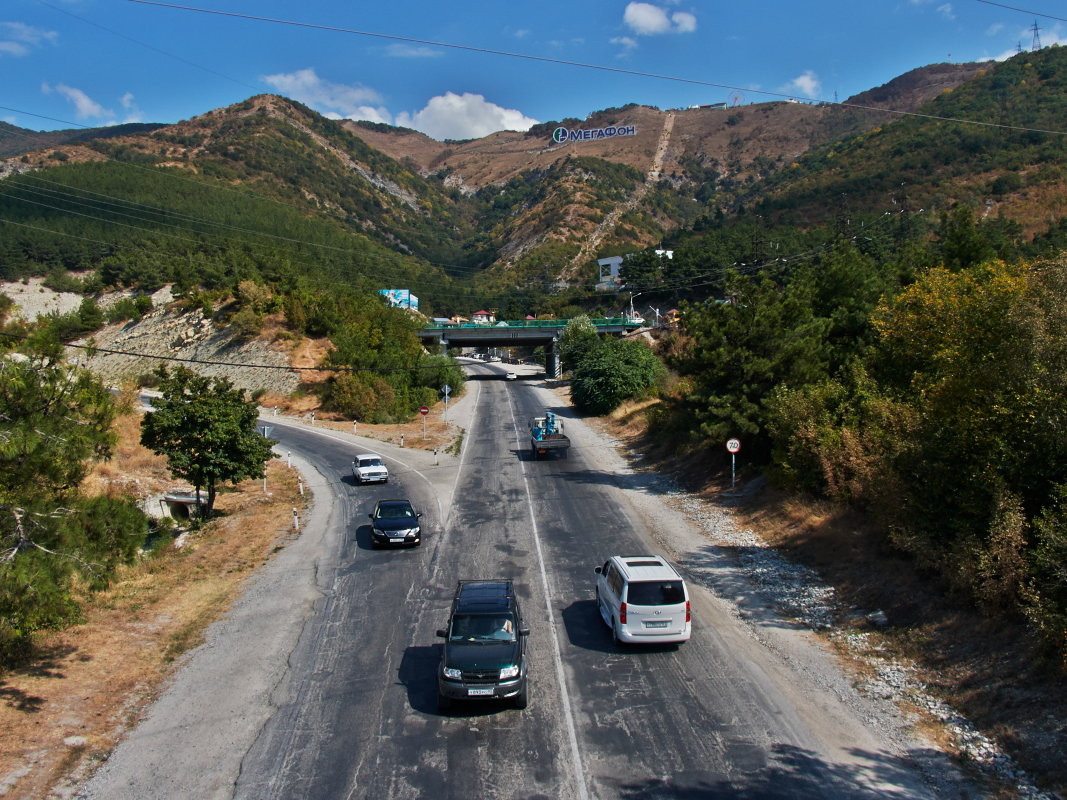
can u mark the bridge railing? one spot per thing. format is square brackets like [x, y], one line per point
[532, 323]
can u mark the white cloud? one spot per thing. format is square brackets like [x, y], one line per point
[18, 38]
[944, 9]
[133, 113]
[807, 84]
[368, 113]
[994, 29]
[338, 99]
[626, 42]
[399, 50]
[645, 19]
[684, 22]
[448, 116]
[84, 106]
[463, 116]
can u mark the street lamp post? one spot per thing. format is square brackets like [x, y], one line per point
[633, 314]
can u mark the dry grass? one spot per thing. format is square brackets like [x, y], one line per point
[66, 709]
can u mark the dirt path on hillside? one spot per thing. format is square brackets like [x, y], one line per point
[611, 219]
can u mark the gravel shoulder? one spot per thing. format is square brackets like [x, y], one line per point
[795, 613]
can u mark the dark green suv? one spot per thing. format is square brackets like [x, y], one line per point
[485, 645]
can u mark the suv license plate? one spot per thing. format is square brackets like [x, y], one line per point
[657, 624]
[479, 692]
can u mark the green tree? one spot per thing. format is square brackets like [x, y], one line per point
[56, 422]
[578, 338]
[207, 431]
[643, 270]
[612, 372]
[766, 337]
[960, 243]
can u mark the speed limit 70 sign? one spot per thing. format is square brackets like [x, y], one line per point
[733, 445]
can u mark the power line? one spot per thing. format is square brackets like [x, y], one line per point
[149, 47]
[580, 64]
[1022, 10]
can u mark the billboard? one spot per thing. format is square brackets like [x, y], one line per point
[401, 298]
[562, 135]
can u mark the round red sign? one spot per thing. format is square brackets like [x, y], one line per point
[733, 445]
[424, 411]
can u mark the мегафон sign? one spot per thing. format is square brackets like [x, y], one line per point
[561, 135]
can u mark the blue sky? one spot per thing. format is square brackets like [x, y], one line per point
[101, 62]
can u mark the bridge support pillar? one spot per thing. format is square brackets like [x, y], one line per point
[553, 367]
[444, 346]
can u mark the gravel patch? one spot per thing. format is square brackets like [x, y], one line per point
[33, 299]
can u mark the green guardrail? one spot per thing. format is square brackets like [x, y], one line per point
[531, 323]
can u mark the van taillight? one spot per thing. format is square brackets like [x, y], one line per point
[622, 613]
[688, 612]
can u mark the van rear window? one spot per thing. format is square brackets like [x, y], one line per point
[655, 593]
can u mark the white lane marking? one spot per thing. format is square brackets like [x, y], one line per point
[576, 756]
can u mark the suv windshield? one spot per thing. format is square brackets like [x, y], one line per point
[482, 628]
[655, 593]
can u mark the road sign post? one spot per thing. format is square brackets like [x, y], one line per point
[733, 446]
[424, 411]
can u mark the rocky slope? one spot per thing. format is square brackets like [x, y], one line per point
[126, 351]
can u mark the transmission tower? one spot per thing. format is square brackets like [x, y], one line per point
[1037, 38]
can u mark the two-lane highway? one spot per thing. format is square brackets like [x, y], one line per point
[338, 698]
[358, 717]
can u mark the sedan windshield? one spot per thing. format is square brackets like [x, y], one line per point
[482, 628]
[395, 511]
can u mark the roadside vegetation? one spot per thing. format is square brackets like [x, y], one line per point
[929, 395]
[69, 699]
[56, 542]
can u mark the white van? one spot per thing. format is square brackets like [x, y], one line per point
[643, 599]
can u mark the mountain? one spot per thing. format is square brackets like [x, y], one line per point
[1006, 160]
[15, 141]
[521, 211]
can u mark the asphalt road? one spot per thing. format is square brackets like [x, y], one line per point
[352, 712]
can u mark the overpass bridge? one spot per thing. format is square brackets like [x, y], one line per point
[517, 333]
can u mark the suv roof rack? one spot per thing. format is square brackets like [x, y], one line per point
[474, 595]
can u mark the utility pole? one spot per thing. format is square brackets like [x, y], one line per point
[1037, 38]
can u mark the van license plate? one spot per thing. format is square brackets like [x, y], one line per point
[479, 692]
[658, 624]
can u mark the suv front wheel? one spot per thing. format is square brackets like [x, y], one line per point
[522, 698]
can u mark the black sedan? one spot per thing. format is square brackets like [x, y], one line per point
[395, 522]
